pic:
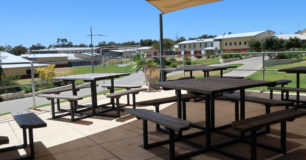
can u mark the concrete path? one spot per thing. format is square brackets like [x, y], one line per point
[24, 103]
[250, 65]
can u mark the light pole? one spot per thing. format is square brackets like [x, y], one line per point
[92, 56]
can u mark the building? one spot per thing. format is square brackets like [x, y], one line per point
[197, 47]
[21, 70]
[67, 50]
[288, 36]
[59, 59]
[240, 41]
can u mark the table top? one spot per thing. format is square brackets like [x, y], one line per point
[200, 67]
[91, 76]
[294, 70]
[213, 85]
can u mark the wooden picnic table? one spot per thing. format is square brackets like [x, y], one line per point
[211, 88]
[93, 78]
[204, 68]
[297, 71]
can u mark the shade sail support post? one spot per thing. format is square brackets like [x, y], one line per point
[161, 47]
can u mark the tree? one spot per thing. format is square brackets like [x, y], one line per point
[273, 44]
[181, 39]
[8, 48]
[168, 44]
[38, 46]
[2, 48]
[82, 45]
[293, 43]
[63, 42]
[255, 45]
[146, 42]
[18, 50]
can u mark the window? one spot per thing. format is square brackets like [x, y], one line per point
[28, 72]
[235, 44]
[240, 43]
[230, 43]
[245, 43]
[225, 44]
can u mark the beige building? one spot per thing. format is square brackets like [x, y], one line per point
[21, 70]
[59, 59]
[67, 50]
[240, 41]
[197, 47]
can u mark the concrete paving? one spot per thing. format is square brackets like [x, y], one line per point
[249, 67]
[102, 138]
[24, 103]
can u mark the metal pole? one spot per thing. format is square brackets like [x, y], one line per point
[33, 85]
[92, 57]
[263, 69]
[161, 49]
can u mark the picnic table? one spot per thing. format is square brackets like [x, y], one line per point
[204, 68]
[297, 71]
[212, 88]
[93, 78]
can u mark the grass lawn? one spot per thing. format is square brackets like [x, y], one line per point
[109, 68]
[206, 61]
[275, 75]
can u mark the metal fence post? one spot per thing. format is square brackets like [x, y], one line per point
[263, 69]
[33, 85]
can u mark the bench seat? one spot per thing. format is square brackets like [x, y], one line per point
[159, 101]
[126, 86]
[288, 89]
[27, 120]
[256, 123]
[122, 93]
[119, 94]
[264, 101]
[65, 97]
[172, 124]
[159, 118]
[72, 100]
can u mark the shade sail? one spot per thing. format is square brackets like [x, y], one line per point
[166, 6]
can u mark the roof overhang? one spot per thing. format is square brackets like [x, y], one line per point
[166, 6]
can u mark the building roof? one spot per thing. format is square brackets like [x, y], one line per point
[67, 49]
[239, 35]
[52, 55]
[6, 57]
[288, 36]
[197, 41]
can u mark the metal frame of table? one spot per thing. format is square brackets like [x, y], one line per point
[93, 78]
[211, 88]
[297, 71]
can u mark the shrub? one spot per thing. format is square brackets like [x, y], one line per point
[172, 59]
[173, 65]
[228, 56]
[187, 61]
[9, 81]
[288, 55]
[199, 56]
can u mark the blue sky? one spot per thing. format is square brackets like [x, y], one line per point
[29, 22]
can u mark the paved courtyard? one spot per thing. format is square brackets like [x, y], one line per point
[112, 139]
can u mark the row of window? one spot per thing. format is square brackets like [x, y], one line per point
[235, 43]
[202, 45]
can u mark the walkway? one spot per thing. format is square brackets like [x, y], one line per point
[251, 64]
